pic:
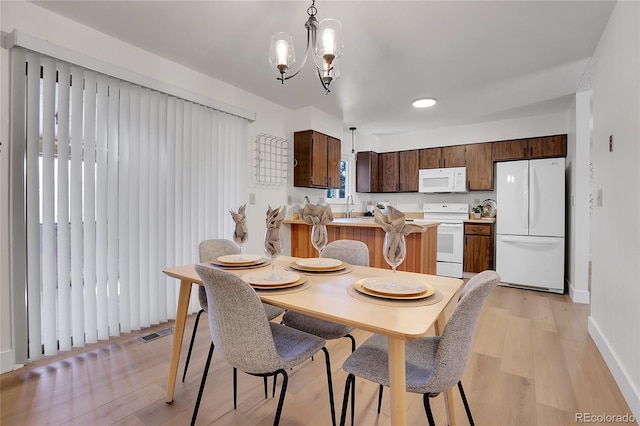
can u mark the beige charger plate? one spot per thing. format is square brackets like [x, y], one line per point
[301, 281]
[359, 287]
[239, 259]
[309, 268]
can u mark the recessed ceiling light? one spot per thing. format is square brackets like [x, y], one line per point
[424, 103]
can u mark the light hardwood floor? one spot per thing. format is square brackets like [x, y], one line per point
[533, 363]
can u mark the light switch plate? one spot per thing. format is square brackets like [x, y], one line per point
[252, 198]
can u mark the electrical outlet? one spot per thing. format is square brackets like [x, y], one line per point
[289, 200]
[252, 198]
[599, 198]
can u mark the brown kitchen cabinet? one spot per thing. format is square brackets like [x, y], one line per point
[479, 162]
[316, 160]
[367, 172]
[389, 171]
[478, 247]
[447, 156]
[524, 149]
[409, 164]
[549, 146]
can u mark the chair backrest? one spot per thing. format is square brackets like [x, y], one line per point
[209, 250]
[350, 251]
[238, 322]
[454, 347]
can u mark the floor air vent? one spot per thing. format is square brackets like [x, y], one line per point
[157, 335]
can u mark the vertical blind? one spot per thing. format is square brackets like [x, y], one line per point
[120, 181]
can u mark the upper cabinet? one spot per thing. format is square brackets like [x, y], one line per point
[387, 172]
[408, 170]
[439, 158]
[479, 167]
[389, 169]
[316, 160]
[550, 146]
[398, 171]
[524, 149]
[367, 172]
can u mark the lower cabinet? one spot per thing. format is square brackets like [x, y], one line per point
[478, 247]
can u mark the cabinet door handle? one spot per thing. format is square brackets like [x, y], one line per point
[530, 151]
[444, 163]
[524, 151]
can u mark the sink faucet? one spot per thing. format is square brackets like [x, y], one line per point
[348, 212]
[307, 200]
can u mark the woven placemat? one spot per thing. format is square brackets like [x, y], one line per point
[435, 298]
[311, 273]
[301, 287]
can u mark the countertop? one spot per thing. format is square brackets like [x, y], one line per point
[361, 222]
[483, 220]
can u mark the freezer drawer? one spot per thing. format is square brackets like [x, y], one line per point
[536, 262]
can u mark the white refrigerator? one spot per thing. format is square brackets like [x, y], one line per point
[530, 223]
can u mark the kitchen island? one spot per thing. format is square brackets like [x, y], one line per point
[421, 246]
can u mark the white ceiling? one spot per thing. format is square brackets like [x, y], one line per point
[482, 60]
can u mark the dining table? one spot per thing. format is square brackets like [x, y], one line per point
[331, 297]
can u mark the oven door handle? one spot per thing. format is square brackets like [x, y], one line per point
[450, 225]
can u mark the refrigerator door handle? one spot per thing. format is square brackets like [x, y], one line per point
[524, 210]
[532, 241]
[532, 198]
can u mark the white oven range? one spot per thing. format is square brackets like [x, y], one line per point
[451, 217]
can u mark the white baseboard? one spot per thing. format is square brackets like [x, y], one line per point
[8, 361]
[622, 378]
[579, 296]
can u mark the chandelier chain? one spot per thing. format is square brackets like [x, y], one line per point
[311, 11]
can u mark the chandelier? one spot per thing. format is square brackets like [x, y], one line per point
[324, 38]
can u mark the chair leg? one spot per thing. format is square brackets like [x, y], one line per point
[265, 388]
[202, 383]
[275, 380]
[353, 399]
[285, 380]
[380, 397]
[235, 386]
[427, 409]
[466, 404]
[353, 342]
[349, 384]
[330, 384]
[193, 339]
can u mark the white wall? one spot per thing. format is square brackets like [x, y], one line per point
[615, 288]
[578, 205]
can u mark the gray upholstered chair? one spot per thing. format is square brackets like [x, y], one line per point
[352, 252]
[210, 250]
[433, 363]
[248, 341]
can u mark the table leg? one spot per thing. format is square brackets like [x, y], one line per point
[178, 333]
[397, 382]
[448, 395]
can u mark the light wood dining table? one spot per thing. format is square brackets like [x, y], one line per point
[327, 298]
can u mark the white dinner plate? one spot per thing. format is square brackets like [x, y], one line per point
[261, 277]
[394, 286]
[239, 258]
[316, 262]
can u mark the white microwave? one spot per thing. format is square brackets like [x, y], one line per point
[452, 179]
